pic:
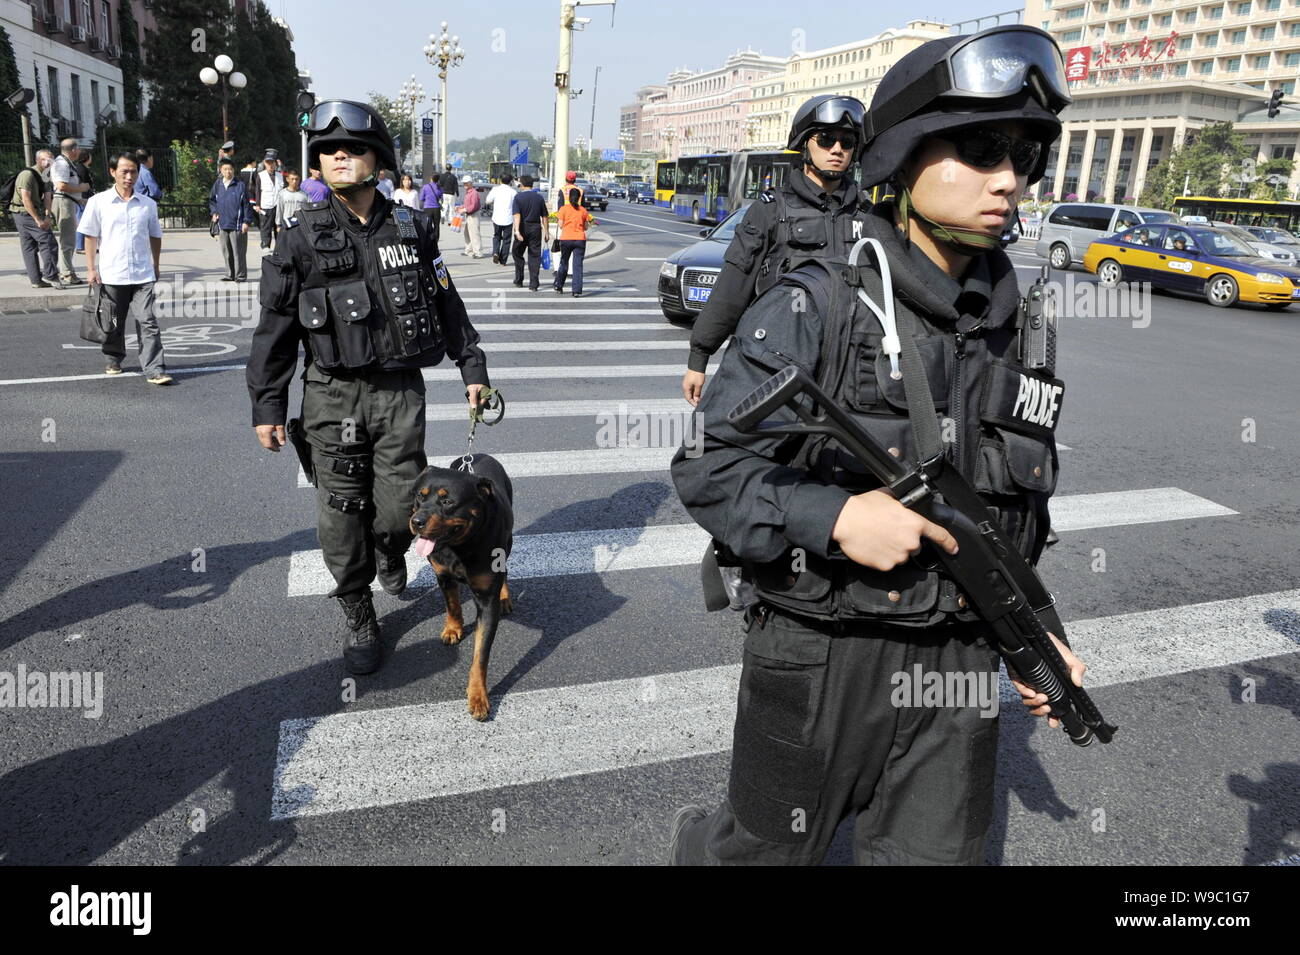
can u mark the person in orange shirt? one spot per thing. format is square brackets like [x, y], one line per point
[573, 221]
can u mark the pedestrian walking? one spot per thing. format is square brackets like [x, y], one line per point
[264, 193]
[360, 435]
[70, 194]
[447, 183]
[123, 245]
[290, 200]
[147, 185]
[431, 204]
[30, 208]
[231, 210]
[82, 167]
[500, 200]
[531, 229]
[407, 194]
[820, 735]
[385, 185]
[468, 211]
[572, 221]
[314, 187]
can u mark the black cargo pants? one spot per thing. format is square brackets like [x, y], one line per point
[367, 437]
[822, 733]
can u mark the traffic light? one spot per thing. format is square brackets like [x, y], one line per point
[1275, 103]
[305, 103]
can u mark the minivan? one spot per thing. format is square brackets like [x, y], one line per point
[1071, 227]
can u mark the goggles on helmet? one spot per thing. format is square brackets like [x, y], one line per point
[834, 111]
[991, 65]
[349, 116]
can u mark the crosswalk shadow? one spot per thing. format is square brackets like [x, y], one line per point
[1272, 820]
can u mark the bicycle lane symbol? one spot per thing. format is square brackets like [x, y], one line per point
[185, 341]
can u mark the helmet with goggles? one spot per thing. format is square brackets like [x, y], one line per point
[1012, 72]
[831, 118]
[338, 122]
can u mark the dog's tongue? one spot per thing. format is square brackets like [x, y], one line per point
[423, 546]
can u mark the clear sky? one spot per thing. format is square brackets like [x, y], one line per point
[511, 47]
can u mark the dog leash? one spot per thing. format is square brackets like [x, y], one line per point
[490, 399]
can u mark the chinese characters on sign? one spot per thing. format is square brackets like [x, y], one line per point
[1129, 60]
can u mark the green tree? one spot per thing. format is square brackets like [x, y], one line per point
[1206, 162]
[1273, 191]
[11, 126]
[128, 32]
[179, 102]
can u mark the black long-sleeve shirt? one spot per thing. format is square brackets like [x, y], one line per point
[273, 358]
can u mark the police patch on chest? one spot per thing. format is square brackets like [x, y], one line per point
[1021, 400]
[440, 273]
[395, 256]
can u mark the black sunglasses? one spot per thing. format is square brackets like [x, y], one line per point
[827, 138]
[353, 146]
[985, 148]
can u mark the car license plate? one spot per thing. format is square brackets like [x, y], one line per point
[696, 294]
[1295, 293]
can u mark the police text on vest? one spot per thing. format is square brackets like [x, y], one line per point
[1037, 402]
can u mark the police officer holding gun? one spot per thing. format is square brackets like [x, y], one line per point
[818, 212]
[849, 598]
[360, 282]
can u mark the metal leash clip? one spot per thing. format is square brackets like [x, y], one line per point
[490, 399]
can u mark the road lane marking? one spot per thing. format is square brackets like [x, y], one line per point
[383, 757]
[562, 554]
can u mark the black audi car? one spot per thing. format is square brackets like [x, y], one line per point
[687, 276]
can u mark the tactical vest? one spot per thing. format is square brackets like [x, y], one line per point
[346, 327]
[806, 232]
[997, 418]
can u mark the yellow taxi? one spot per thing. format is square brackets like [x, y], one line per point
[1200, 259]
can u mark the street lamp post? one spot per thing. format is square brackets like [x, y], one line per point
[624, 140]
[546, 161]
[229, 80]
[443, 52]
[408, 99]
[569, 23]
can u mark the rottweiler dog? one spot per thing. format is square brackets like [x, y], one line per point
[464, 522]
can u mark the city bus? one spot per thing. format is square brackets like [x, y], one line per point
[665, 182]
[1243, 212]
[498, 169]
[711, 187]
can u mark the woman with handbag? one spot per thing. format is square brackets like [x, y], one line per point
[573, 221]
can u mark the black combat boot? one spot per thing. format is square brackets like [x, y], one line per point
[361, 638]
[391, 572]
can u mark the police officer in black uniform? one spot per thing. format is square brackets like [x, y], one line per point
[817, 212]
[959, 128]
[359, 281]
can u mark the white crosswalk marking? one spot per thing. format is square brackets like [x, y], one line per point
[403, 754]
[614, 345]
[456, 411]
[560, 373]
[675, 545]
[570, 327]
[541, 303]
[564, 311]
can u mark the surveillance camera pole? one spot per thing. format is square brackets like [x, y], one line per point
[569, 21]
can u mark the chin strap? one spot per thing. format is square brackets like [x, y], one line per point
[366, 183]
[967, 241]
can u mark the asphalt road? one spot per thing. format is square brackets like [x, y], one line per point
[151, 541]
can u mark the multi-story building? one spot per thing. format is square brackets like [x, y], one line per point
[70, 51]
[699, 112]
[1145, 73]
[850, 69]
[629, 118]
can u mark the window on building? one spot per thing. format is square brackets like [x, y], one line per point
[1288, 87]
[1272, 5]
[1261, 62]
[76, 100]
[1237, 36]
[1185, 43]
[1232, 64]
[1141, 24]
[1180, 69]
[112, 96]
[1210, 40]
[1071, 36]
[1075, 14]
[103, 21]
[1268, 32]
[1283, 152]
[1189, 16]
[1214, 13]
[1292, 59]
[53, 76]
[1205, 67]
[1243, 8]
[1165, 20]
[1121, 28]
[1294, 30]
[94, 99]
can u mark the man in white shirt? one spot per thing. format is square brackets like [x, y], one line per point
[266, 196]
[123, 243]
[69, 195]
[500, 199]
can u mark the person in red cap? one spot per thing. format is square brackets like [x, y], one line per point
[562, 193]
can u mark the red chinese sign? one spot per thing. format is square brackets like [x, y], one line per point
[1077, 62]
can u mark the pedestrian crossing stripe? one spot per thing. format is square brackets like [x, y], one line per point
[566, 553]
[381, 757]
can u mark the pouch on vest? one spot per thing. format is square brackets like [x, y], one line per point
[349, 305]
[413, 326]
[313, 315]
